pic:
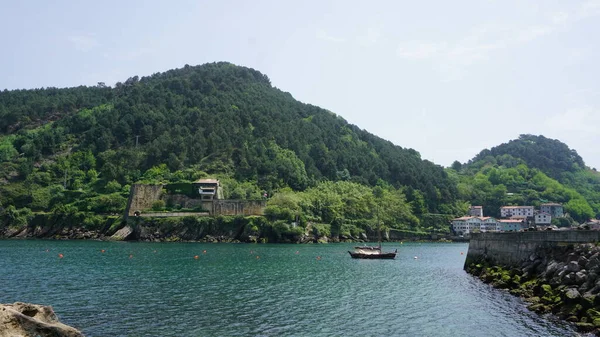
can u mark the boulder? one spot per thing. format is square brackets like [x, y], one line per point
[573, 257]
[25, 320]
[593, 262]
[572, 294]
[573, 266]
[580, 277]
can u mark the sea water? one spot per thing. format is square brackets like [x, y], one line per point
[200, 289]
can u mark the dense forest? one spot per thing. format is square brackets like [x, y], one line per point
[73, 153]
[79, 149]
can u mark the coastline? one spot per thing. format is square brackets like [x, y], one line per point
[254, 229]
[561, 279]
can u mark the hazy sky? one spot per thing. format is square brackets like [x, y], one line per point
[447, 78]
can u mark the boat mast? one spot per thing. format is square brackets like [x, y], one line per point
[378, 229]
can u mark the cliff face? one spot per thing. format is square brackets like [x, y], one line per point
[562, 280]
[24, 319]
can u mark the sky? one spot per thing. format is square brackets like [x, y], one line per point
[446, 78]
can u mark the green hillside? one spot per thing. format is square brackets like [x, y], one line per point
[529, 171]
[70, 155]
[78, 149]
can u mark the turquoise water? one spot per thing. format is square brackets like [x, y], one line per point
[160, 289]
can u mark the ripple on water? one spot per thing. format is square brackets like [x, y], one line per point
[163, 291]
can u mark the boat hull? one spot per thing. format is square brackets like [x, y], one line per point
[381, 256]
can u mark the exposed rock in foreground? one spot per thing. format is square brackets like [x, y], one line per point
[564, 281]
[32, 320]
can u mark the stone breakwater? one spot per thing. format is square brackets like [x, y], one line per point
[563, 280]
[25, 319]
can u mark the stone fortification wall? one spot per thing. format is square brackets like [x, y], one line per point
[186, 202]
[510, 249]
[238, 207]
[172, 214]
[142, 197]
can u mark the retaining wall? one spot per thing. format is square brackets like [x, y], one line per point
[142, 197]
[512, 248]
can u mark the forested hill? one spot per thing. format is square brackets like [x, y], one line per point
[216, 118]
[551, 156]
[530, 170]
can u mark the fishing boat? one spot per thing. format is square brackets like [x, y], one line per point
[373, 252]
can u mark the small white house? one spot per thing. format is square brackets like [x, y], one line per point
[512, 225]
[543, 219]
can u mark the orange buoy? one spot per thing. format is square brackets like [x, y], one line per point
[318, 257]
[60, 256]
[131, 256]
[102, 251]
[204, 251]
[257, 257]
[196, 257]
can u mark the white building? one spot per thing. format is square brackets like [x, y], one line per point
[476, 211]
[552, 208]
[469, 224]
[518, 211]
[512, 225]
[543, 219]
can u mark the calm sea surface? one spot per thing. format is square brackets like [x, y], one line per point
[160, 289]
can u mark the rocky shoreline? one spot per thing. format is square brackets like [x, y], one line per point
[241, 230]
[32, 320]
[563, 281]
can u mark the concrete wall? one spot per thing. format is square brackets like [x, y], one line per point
[238, 207]
[510, 249]
[142, 197]
[172, 214]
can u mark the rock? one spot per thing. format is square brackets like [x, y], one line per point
[582, 261]
[573, 257]
[363, 236]
[551, 268]
[580, 277]
[593, 262]
[572, 294]
[122, 234]
[573, 266]
[24, 319]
